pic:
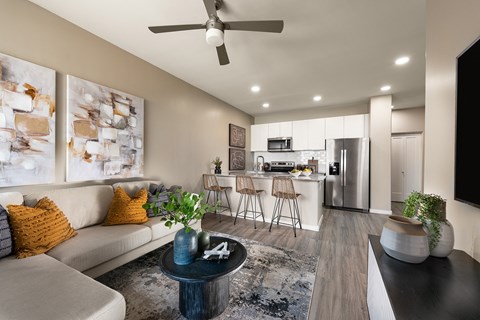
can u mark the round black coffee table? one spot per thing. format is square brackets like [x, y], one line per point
[204, 285]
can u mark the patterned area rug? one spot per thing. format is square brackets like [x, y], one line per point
[274, 283]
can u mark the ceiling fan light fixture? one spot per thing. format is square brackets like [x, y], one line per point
[214, 37]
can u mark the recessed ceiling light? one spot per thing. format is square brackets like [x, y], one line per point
[266, 105]
[317, 98]
[385, 88]
[255, 88]
[402, 60]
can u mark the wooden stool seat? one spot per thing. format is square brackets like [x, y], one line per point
[210, 183]
[246, 188]
[283, 189]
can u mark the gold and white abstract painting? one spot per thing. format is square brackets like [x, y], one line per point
[104, 132]
[27, 123]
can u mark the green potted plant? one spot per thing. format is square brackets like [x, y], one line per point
[184, 208]
[430, 209]
[218, 165]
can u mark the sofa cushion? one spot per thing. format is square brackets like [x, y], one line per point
[83, 206]
[125, 209]
[37, 230]
[43, 288]
[158, 227]
[97, 244]
[5, 235]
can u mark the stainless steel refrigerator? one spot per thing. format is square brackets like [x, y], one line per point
[347, 183]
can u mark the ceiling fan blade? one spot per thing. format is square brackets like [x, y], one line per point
[222, 55]
[180, 27]
[262, 26]
[210, 6]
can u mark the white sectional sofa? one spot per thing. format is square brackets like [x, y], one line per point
[59, 284]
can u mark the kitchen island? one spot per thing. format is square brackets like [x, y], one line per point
[310, 202]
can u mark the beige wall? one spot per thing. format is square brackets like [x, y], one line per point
[408, 120]
[451, 27]
[380, 154]
[185, 128]
[312, 113]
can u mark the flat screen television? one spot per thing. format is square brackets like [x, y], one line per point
[467, 127]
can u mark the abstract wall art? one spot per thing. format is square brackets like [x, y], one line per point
[104, 132]
[236, 136]
[27, 123]
[237, 159]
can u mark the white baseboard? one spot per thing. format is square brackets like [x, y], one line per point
[380, 211]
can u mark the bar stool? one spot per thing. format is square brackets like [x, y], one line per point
[210, 183]
[244, 186]
[282, 189]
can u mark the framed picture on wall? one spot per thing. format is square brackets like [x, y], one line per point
[27, 123]
[236, 159]
[236, 136]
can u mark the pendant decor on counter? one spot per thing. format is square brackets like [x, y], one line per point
[185, 246]
[405, 239]
[445, 242]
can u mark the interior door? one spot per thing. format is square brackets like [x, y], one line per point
[407, 165]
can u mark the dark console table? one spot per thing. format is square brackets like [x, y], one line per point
[438, 288]
[204, 285]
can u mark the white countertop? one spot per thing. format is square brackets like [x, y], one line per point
[314, 177]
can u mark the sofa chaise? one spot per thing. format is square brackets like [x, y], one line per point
[59, 284]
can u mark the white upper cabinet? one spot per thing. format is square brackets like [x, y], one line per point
[334, 128]
[316, 134]
[355, 126]
[258, 137]
[300, 135]
[308, 134]
[280, 129]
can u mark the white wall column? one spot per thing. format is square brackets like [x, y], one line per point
[380, 154]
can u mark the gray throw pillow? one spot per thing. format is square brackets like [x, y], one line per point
[158, 193]
[5, 234]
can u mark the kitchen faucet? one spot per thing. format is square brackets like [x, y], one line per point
[256, 164]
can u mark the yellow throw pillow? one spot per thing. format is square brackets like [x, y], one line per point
[125, 210]
[37, 230]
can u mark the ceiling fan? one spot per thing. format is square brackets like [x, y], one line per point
[215, 28]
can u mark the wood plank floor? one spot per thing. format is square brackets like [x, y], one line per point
[340, 290]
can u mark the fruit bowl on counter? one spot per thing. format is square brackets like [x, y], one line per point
[295, 173]
[306, 172]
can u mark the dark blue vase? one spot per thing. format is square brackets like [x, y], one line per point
[185, 247]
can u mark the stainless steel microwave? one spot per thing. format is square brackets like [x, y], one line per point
[280, 144]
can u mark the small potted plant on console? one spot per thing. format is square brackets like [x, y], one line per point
[430, 209]
[218, 165]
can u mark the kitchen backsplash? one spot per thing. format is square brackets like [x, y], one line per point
[299, 157]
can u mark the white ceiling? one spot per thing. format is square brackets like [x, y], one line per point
[343, 50]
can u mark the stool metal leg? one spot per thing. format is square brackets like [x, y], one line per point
[261, 207]
[228, 202]
[277, 200]
[291, 217]
[238, 208]
[297, 212]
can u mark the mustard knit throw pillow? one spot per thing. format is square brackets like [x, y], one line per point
[126, 210]
[37, 230]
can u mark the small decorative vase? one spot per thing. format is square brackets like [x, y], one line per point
[404, 239]
[185, 247]
[218, 170]
[203, 240]
[447, 239]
